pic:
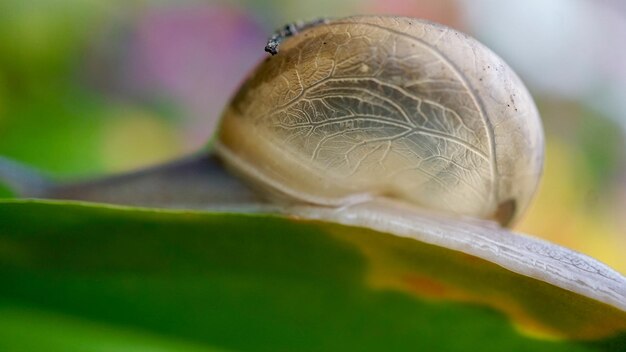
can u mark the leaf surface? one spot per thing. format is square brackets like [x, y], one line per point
[101, 277]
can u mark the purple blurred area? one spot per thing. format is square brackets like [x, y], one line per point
[191, 57]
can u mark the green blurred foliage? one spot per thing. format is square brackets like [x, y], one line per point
[601, 144]
[49, 116]
[41, 41]
[47, 119]
[5, 192]
[58, 134]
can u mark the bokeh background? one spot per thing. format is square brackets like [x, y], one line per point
[91, 87]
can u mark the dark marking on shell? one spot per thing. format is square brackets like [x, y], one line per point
[504, 213]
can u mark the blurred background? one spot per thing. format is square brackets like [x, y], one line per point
[90, 87]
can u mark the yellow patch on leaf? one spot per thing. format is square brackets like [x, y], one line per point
[535, 308]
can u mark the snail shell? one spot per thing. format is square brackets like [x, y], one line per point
[375, 106]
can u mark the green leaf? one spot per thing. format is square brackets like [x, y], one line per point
[57, 332]
[82, 277]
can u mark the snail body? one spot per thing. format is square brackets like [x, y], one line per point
[364, 107]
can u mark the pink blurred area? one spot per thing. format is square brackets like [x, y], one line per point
[191, 58]
[444, 11]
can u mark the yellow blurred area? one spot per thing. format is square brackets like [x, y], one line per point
[561, 212]
[135, 138]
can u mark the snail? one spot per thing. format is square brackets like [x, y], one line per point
[396, 124]
[384, 106]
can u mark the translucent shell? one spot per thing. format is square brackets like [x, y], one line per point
[394, 107]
